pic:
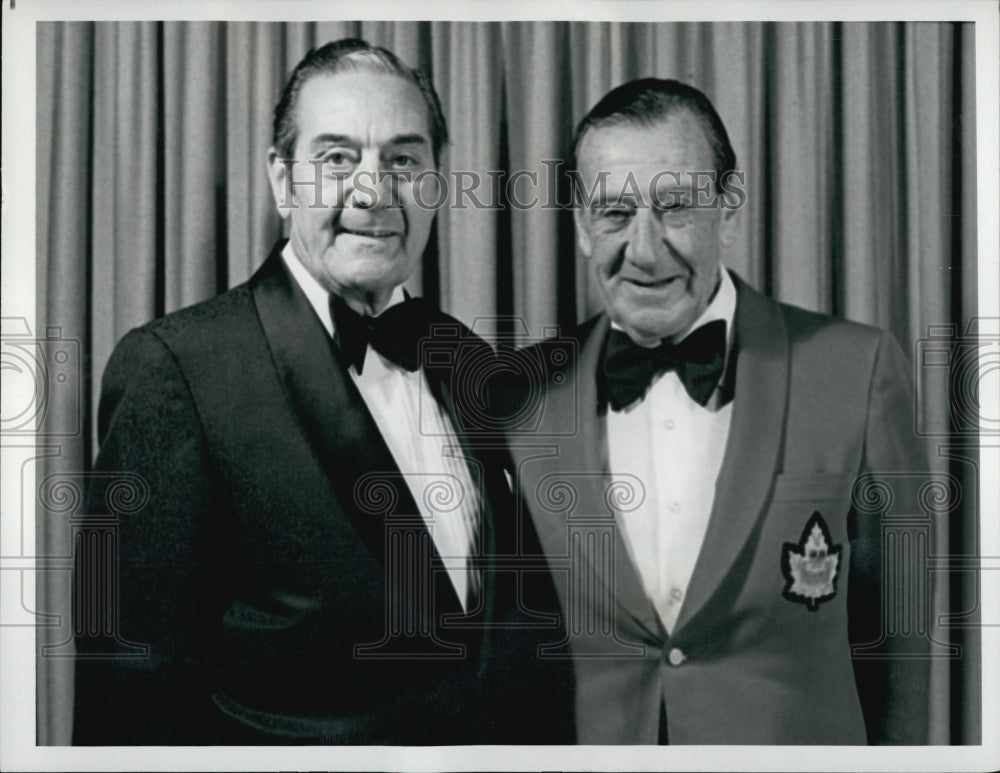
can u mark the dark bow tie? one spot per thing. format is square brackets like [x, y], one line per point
[395, 333]
[628, 369]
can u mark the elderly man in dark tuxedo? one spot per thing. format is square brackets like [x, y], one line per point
[690, 473]
[314, 563]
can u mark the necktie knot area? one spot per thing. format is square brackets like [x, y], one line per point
[627, 369]
[395, 333]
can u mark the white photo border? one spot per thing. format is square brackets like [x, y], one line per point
[17, 644]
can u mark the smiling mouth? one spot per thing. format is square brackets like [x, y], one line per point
[650, 284]
[371, 233]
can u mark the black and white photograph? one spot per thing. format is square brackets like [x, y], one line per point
[586, 385]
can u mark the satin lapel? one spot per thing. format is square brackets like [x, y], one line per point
[753, 447]
[584, 457]
[440, 378]
[332, 413]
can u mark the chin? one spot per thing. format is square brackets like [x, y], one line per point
[371, 285]
[652, 326]
[643, 335]
[373, 272]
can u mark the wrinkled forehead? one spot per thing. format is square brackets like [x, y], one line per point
[360, 102]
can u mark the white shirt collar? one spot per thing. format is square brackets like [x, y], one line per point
[318, 297]
[722, 306]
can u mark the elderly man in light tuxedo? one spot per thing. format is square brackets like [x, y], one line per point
[721, 596]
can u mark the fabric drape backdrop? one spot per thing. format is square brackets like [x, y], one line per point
[857, 141]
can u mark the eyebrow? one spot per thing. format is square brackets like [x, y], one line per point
[408, 139]
[623, 199]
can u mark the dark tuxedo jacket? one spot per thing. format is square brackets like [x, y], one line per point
[819, 404]
[277, 584]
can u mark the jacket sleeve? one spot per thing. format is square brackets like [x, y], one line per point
[141, 648]
[886, 600]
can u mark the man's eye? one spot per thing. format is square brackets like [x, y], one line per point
[402, 161]
[337, 158]
[673, 203]
[616, 214]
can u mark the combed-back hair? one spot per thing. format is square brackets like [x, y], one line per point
[646, 101]
[351, 54]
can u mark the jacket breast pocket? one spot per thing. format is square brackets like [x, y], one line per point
[812, 487]
[806, 534]
[797, 498]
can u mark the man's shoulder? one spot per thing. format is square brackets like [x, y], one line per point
[812, 331]
[198, 317]
[833, 337]
[560, 347]
[552, 362]
[447, 344]
[443, 326]
[204, 327]
[570, 340]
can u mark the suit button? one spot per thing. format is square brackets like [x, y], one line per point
[676, 656]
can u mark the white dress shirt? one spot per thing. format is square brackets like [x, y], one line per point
[422, 440]
[675, 447]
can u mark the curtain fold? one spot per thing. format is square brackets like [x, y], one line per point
[189, 84]
[857, 141]
[63, 301]
[467, 73]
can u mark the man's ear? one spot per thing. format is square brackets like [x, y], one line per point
[277, 174]
[582, 237]
[729, 226]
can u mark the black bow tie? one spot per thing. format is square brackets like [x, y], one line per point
[628, 369]
[395, 333]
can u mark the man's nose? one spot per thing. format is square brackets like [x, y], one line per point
[370, 186]
[646, 245]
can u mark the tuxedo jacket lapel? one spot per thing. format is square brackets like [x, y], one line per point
[334, 417]
[753, 448]
[441, 385]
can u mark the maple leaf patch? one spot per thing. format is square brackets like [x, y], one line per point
[812, 565]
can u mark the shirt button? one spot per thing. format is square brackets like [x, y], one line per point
[669, 424]
[676, 656]
[676, 594]
[675, 507]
